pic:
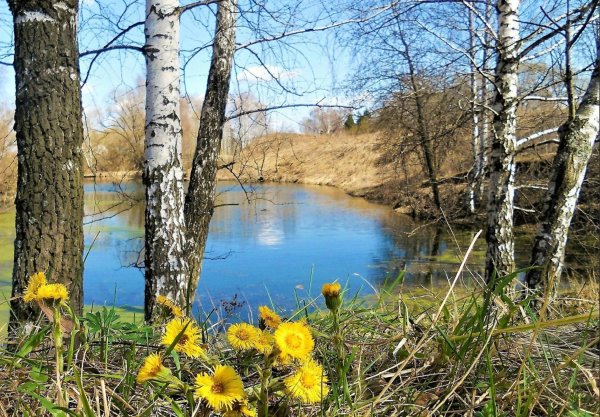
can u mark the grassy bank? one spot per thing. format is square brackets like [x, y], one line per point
[403, 352]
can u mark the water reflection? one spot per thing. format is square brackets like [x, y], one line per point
[266, 242]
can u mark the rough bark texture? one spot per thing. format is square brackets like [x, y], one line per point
[165, 262]
[577, 138]
[49, 202]
[199, 202]
[499, 235]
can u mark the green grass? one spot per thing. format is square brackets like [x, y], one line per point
[406, 351]
[7, 237]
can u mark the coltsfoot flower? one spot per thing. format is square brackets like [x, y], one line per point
[221, 390]
[169, 306]
[152, 369]
[242, 336]
[264, 342]
[295, 340]
[240, 409]
[331, 292]
[52, 293]
[35, 282]
[268, 317]
[308, 383]
[189, 341]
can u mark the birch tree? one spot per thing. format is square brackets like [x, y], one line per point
[478, 83]
[499, 234]
[577, 138]
[164, 262]
[505, 145]
[49, 132]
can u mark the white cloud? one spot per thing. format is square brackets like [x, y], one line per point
[267, 73]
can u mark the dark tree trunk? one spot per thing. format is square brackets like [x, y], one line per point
[199, 201]
[424, 139]
[577, 138]
[49, 202]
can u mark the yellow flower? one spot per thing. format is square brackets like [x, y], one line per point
[152, 369]
[331, 289]
[52, 292]
[242, 336]
[189, 341]
[331, 292]
[294, 339]
[308, 383]
[240, 409]
[35, 282]
[264, 342]
[270, 318]
[169, 306]
[221, 390]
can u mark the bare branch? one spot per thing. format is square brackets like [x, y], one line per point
[537, 135]
[541, 98]
[286, 106]
[584, 12]
[195, 4]
[315, 29]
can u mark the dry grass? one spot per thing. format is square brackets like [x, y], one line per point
[345, 161]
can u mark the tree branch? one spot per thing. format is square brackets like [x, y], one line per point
[286, 106]
[526, 140]
[195, 4]
[582, 13]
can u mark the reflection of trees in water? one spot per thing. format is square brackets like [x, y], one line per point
[261, 213]
[271, 213]
[428, 254]
[131, 252]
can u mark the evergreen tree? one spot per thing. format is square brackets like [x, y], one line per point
[349, 124]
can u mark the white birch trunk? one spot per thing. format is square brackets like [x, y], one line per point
[484, 113]
[165, 263]
[476, 135]
[499, 235]
[577, 138]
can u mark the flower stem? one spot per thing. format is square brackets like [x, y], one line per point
[58, 348]
[265, 377]
[338, 340]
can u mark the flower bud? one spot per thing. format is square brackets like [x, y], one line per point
[331, 292]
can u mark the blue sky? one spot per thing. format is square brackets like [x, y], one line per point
[310, 68]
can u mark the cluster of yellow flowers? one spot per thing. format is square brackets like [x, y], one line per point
[38, 289]
[223, 391]
[288, 345]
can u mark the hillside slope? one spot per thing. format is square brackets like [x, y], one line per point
[357, 164]
[344, 161]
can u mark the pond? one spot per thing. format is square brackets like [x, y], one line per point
[268, 243]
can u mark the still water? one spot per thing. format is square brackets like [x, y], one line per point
[268, 242]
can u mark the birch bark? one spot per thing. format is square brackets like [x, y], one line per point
[499, 234]
[475, 178]
[577, 138]
[165, 260]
